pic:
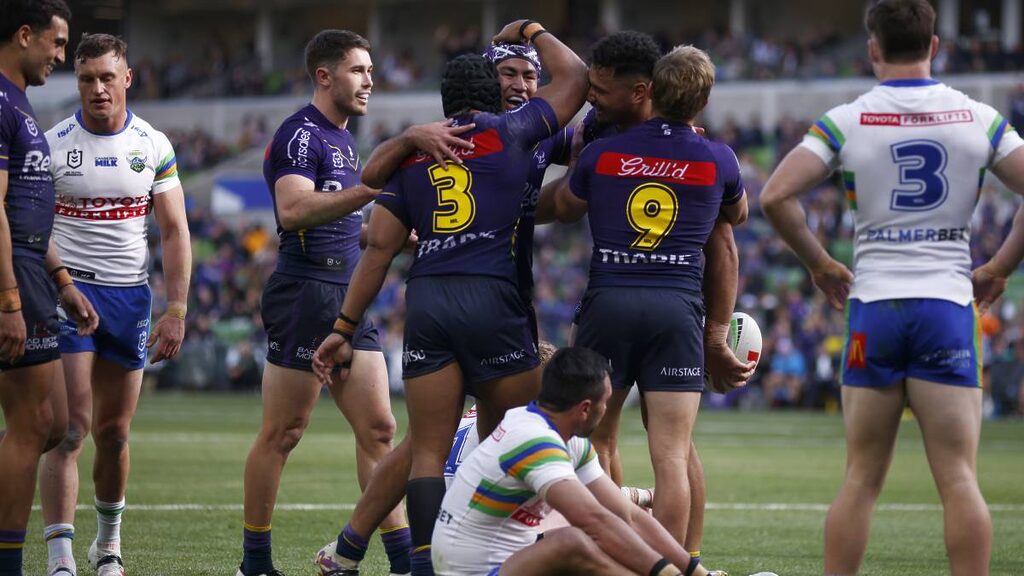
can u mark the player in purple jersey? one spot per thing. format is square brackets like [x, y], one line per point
[621, 94]
[518, 67]
[466, 323]
[313, 170]
[33, 35]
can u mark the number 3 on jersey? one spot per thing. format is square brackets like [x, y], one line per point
[651, 211]
[921, 164]
[456, 206]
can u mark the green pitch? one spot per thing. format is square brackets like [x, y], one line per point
[770, 478]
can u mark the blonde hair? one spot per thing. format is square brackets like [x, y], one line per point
[682, 83]
[545, 350]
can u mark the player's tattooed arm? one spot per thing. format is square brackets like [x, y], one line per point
[440, 140]
[300, 206]
[798, 172]
[990, 278]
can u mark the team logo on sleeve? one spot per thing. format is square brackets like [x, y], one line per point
[74, 158]
[30, 123]
[137, 160]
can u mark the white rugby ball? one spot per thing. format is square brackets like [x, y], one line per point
[744, 337]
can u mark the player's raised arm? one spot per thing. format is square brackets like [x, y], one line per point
[798, 172]
[438, 139]
[568, 87]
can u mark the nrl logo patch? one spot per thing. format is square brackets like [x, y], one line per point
[74, 158]
[137, 160]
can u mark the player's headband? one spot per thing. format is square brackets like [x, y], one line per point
[498, 53]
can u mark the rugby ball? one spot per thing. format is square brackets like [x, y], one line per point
[744, 337]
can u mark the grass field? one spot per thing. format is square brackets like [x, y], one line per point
[770, 479]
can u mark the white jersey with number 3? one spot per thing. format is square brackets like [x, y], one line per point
[913, 154]
[105, 185]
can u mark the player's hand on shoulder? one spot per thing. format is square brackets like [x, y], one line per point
[332, 351]
[80, 309]
[989, 285]
[441, 140]
[511, 33]
[834, 279]
[12, 336]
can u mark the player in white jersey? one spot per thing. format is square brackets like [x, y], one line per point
[538, 459]
[110, 169]
[912, 153]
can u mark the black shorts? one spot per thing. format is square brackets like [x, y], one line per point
[480, 322]
[651, 336]
[298, 314]
[39, 309]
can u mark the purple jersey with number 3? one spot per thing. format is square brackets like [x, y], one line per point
[654, 193]
[467, 216]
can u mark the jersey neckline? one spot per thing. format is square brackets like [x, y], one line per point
[127, 122]
[910, 82]
[532, 407]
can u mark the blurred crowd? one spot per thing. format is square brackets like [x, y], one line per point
[223, 72]
[803, 336]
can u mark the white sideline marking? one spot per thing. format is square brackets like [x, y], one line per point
[763, 507]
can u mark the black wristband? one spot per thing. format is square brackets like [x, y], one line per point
[57, 269]
[346, 335]
[537, 34]
[694, 562]
[522, 27]
[342, 316]
[659, 566]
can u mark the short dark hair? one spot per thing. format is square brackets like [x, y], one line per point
[572, 376]
[329, 47]
[37, 14]
[626, 52]
[469, 82]
[96, 45]
[902, 28]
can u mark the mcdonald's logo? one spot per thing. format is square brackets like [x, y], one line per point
[856, 356]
